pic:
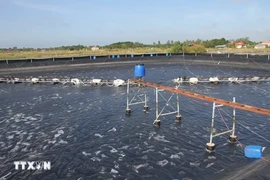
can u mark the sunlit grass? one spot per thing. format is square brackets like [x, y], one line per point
[242, 50]
[66, 53]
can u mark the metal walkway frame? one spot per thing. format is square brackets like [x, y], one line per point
[216, 103]
[223, 102]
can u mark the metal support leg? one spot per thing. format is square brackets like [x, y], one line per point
[157, 122]
[178, 116]
[232, 138]
[211, 146]
[145, 108]
[128, 111]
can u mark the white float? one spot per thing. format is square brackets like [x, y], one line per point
[193, 81]
[254, 79]
[34, 80]
[233, 79]
[118, 82]
[96, 82]
[55, 80]
[214, 80]
[75, 81]
[178, 80]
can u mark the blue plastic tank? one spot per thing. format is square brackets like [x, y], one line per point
[139, 70]
[253, 151]
[132, 55]
[151, 55]
[112, 56]
[118, 56]
[94, 57]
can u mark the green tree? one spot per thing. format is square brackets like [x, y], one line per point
[177, 47]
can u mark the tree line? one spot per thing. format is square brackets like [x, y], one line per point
[174, 46]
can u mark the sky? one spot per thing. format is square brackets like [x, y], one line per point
[50, 23]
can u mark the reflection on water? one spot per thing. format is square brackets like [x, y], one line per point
[84, 133]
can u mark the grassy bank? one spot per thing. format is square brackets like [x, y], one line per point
[66, 53]
[243, 50]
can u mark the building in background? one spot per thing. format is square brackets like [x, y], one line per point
[95, 48]
[259, 46]
[240, 45]
[266, 43]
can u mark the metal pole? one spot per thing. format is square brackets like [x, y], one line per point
[156, 103]
[234, 121]
[128, 95]
[178, 106]
[212, 125]
[145, 98]
[268, 56]
[247, 56]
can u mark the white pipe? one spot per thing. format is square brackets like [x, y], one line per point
[234, 121]
[212, 124]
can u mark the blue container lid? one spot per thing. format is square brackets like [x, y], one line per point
[253, 151]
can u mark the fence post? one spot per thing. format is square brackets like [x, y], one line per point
[268, 56]
[7, 61]
[228, 55]
[247, 56]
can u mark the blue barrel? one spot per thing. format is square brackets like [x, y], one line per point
[94, 57]
[167, 54]
[253, 151]
[112, 56]
[139, 70]
[151, 55]
[118, 56]
[132, 55]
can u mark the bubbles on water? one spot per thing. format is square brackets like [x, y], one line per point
[114, 171]
[137, 167]
[211, 157]
[195, 164]
[161, 138]
[86, 154]
[113, 150]
[112, 130]
[175, 156]
[97, 152]
[95, 159]
[209, 165]
[98, 135]
[163, 162]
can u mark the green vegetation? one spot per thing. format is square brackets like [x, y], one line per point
[189, 46]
